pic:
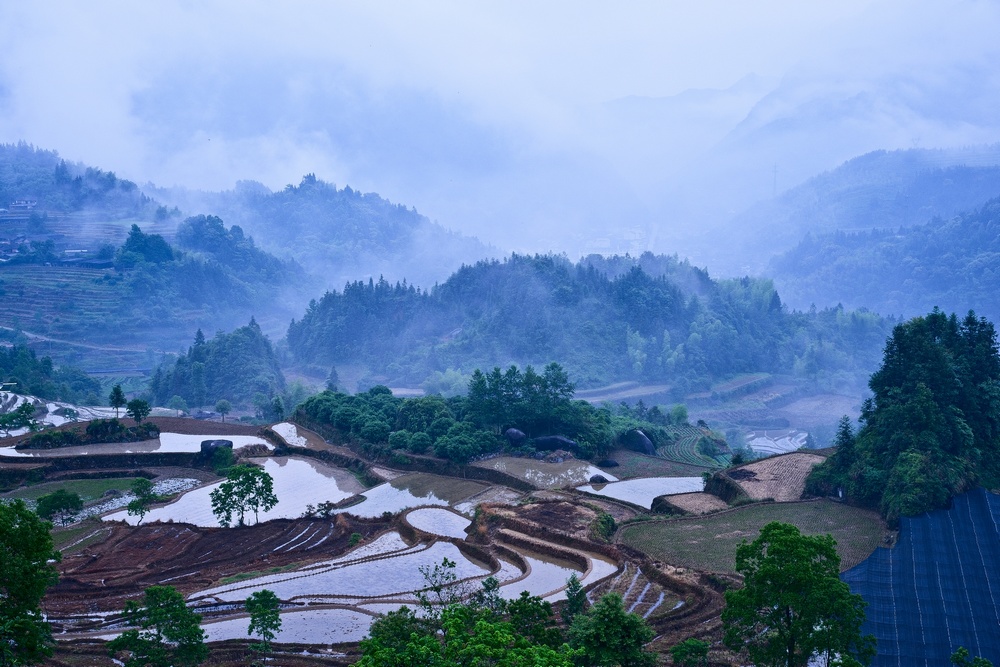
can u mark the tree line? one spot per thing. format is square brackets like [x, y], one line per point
[931, 429]
[463, 427]
[678, 327]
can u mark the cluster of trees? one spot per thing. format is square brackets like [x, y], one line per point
[459, 428]
[100, 431]
[26, 373]
[221, 268]
[341, 233]
[459, 627]
[931, 430]
[679, 327]
[59, 186]
[952, 262]
[239, 367]
[164, 632]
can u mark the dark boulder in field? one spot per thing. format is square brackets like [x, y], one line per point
[554, 442]
[209, 446]
[598, 479]
[638, 441]
[515, 437]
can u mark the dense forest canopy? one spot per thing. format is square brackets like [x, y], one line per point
[932, 428]
[338, 233]
[27, 172]
[635, 325]
[239, 366]
[954, 264]
[29, 374]
[463, 427]
[882, 189]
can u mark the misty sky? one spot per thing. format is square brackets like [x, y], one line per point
[560, 125]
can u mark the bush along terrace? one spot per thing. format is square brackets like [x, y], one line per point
[520, 411]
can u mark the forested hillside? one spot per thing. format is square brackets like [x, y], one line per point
[239, 366]
[23, 372]
[340, 234]
[543, 308]
[878, 190]
[930, 432]
[953, 263]
[31, 173]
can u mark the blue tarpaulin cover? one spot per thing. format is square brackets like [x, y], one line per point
[938, 588]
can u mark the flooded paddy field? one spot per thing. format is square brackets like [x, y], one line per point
[166, 443]
[439, 522]
[307, 626]
[297, 483]
[643, 491]
[543, 474]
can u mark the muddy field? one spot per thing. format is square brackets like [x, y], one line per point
[780, 478]
[698, 503]
[100, 576]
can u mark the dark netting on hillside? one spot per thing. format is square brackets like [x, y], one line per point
[938, 588]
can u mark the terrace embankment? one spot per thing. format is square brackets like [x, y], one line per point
[101, 576]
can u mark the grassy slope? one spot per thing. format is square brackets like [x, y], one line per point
[709, 542]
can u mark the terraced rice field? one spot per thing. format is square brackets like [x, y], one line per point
[167, 442]
[546, 475]
[709, 542]
[640, 595]
[643, 491]
[59, 298]
[698, 503]
[685, 450]
[318, 627]
[776, 441]
[297, 483]
[781, 478]
[353, 578]
[413, 490]
[633, 464]
[439, 522]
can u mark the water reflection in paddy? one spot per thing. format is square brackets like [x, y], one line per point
[413, 490]
[439, 522]
[166, 443]
[644, 490]
[297, 483]
[311, 626]
[395, 575]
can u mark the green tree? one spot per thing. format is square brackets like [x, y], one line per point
[332, 380]
[247, 488]
[690, 653]
[117, 398]
[465, 637]
[223, 407]
[576, 600]
[26, 571]
[793, 605]
[20, 417]
[138, 410]
[142, 489]
[609, 636]
[60, 505]
[961, 658]
[265, 619]
[164, 632]
[929, 432]
[177, 403]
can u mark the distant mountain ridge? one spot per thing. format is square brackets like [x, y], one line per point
[340, 234]
[878, 190]
[951, 263]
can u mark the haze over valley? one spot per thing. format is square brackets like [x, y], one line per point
[612, 306]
